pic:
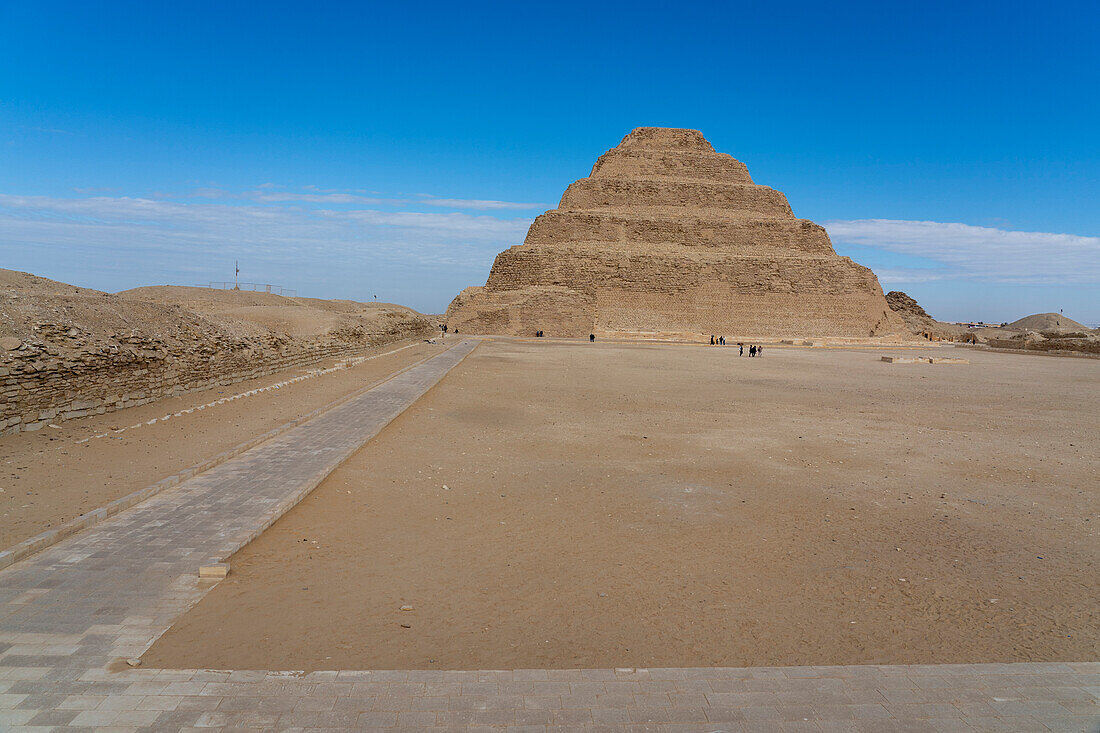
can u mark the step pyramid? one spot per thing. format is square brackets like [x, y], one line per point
[668, 237]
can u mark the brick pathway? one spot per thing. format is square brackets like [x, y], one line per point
[70, 614]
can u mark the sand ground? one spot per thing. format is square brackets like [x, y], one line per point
[48, 477]
[574, 505]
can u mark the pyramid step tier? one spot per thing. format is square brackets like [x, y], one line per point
[640, 230]
[696, 250]
[591, 270]
[671, 165]
[732, 313]
[561, 311]
[611, 194]
[665, 138]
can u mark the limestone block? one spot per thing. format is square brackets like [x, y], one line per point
[214, 570]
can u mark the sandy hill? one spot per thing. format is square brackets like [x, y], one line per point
[33, 307]
[36, 309]
[254, 313]
[1048, 322]
[24, 283]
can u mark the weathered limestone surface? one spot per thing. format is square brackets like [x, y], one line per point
[39, 384]
[667, 237]
[70, 369]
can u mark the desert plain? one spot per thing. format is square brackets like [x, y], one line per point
[559, 504]
[217, 502]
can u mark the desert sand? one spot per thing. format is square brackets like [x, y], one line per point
[50, 476]
[562, 505]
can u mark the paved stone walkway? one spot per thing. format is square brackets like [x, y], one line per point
[70, 615]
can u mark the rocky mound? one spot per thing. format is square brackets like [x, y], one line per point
[13, 281]
[921, 324]
[668, 237]
[255, 313]
[1048, 323]
[61, 345]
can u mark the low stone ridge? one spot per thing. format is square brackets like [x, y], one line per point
[666, 237]
[67, 352]
[920, 323]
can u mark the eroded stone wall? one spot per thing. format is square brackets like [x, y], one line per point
[58, 376]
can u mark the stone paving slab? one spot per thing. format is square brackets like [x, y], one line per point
[996, 697]
[70, 614]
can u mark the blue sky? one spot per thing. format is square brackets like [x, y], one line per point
[348, 150]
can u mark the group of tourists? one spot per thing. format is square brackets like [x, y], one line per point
[540, 334]
[754, 350]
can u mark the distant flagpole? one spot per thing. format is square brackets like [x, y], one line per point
[236, 274]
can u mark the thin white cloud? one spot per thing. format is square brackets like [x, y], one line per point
[50, 130]
[318, 198]
[910, 274]
[480, 204]
[184, 236]
[314, 195]
[456, 223]
[94, 189]
[977, 253]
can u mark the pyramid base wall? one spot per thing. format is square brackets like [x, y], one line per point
[700, 312]
[723, 312]
[557, 311]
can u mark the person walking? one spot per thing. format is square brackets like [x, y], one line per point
[591, 337]
[712, 339]
[752, 351]
[740, 349]
[759, 350]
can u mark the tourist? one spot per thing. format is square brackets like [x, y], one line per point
[591, 337]
[740, 349]
[712, 339]
[759, 350]
[752, 351]
[721, 340]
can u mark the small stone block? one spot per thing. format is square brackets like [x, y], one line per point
[902, 359]
[948, 360]
[214, 570]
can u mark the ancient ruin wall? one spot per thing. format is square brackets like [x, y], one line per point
[42, 381]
